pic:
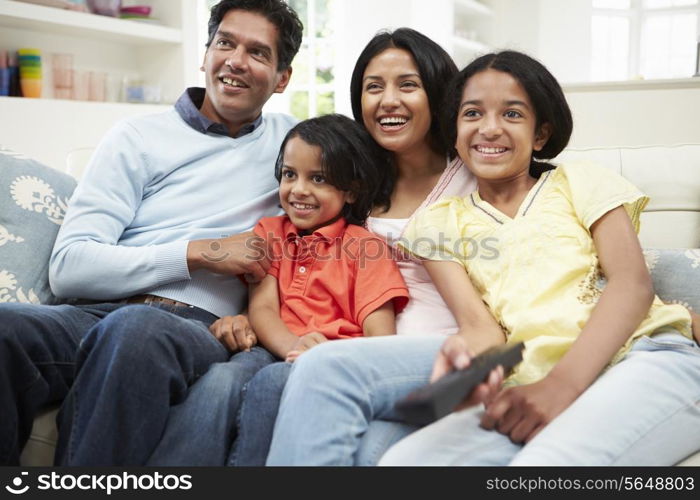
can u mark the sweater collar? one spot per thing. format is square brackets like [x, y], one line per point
[188, 105]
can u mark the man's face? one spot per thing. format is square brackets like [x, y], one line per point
[241, 69]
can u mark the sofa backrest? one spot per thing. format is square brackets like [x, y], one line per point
[670, 176]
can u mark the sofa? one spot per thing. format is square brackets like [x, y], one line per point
[670, 234]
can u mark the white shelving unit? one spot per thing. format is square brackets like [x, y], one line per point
[163, 55]
[472, 29]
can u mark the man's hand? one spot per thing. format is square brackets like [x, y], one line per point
[234, 332]
[243, 253]
[522, 412]
[456, 355]
[304, 343]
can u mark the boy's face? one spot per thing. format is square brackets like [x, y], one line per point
[306, 197]
[241, 69]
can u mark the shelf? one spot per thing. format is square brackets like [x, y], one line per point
[469, 45]
[25, 16]
[474, 7]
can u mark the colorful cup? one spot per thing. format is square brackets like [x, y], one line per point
[30, 72]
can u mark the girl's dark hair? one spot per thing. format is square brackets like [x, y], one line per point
[435, 66]
[281, 15]
[350, 160]
[542, 88]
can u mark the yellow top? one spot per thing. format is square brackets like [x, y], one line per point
[539, 272]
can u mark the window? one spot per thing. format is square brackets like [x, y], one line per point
[311, 90]
[644, 38]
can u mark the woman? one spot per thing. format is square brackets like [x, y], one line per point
[338, 404]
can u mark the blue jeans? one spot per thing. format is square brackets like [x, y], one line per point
[37, 358]
[256, 419]
[338, 405]
[645, 410]
[131, 367]
[200, 430]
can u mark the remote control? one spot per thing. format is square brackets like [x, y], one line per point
[433, 401]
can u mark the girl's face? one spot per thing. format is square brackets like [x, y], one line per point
[395, 107]
[305, 196]
[496, 127]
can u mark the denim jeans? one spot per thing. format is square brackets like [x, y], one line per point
[200, 430]
[37, 358]
[338, 405]
[645, 410]
[256, 419]
[131, 367]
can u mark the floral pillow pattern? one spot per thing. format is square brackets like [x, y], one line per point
[33, 202]
[676, 275]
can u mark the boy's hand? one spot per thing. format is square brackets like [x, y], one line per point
[234, 332]
[456, 355]
[304, 343]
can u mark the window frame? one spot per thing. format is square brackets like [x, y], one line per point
[637, 14]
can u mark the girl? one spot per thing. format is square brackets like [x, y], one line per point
[611, 375]
[330, 278]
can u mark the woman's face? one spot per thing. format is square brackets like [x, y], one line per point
[395, 107]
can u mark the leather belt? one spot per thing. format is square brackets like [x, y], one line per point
[154, 299]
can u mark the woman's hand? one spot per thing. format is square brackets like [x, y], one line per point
[304, 343]
[522, 412]
[234, 332]
[455, 354]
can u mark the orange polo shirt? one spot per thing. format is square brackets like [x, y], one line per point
[331, 280]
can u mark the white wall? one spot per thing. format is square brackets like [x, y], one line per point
[47, 130]
[629, 116]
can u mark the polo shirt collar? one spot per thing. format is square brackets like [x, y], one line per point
[188, 105]
[327, 233]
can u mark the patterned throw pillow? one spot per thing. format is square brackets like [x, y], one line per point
[676, 275]
[33, 201]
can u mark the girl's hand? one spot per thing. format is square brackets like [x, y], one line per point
[456, 355]
[304, 343]
[522, 412]
[234, 332]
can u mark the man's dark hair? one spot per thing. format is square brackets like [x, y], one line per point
[350, 160]
[281, 15]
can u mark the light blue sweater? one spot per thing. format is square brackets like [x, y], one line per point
[153, 184]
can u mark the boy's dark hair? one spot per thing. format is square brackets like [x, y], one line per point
[539, 84]
[435, 66]
[350, 160]
[281, 15]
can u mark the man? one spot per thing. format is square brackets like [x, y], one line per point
[154, 238]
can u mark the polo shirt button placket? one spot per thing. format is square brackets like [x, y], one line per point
[302, 269]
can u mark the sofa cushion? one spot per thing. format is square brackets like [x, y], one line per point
[676, 275]
[33, 201]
